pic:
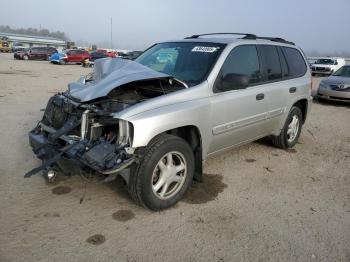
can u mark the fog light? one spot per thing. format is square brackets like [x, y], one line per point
[51, 175]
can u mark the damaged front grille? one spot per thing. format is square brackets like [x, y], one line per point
[57, 111]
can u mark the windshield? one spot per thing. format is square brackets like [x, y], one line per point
[325, 61]
[343, 71]
[188, 62]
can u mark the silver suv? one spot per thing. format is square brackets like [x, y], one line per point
[153, 121]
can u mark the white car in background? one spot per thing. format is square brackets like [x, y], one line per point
[327, 65]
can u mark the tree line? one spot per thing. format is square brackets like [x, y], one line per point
[34, 32]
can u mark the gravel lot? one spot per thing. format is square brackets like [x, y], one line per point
[257, 203]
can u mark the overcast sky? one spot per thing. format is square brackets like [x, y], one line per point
[321, 25]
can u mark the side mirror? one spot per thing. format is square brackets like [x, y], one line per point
[232, 82]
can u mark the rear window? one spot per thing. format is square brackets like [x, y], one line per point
[295, 61]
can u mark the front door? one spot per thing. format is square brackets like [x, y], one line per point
[239, 115]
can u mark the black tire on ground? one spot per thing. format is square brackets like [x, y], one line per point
[321, 100]
[282, 141]
[141, 178]
[62, 62]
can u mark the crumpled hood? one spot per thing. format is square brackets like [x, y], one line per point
[110, 73]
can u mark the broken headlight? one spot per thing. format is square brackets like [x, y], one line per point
[125, 133]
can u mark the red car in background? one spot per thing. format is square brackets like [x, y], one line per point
[107, 53]
[35, 53]
[76, 56]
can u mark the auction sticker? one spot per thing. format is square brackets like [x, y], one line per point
[206, 49]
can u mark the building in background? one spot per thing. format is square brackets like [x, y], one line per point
[30, 40]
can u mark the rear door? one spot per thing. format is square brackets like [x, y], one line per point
[280, 71]
[239, 115]
[277, 91]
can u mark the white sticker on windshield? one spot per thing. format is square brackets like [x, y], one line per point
[206, 49]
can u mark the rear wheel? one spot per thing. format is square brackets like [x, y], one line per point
[291, 131]
[164, 174]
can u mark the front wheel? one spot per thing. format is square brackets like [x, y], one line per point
[291, 131]
[164, 174]
[25, 57]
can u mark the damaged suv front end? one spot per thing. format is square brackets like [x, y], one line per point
[79, 131]
[71, 131]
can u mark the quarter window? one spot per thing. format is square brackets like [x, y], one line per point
[243, 60]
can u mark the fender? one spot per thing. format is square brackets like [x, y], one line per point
[153, 122]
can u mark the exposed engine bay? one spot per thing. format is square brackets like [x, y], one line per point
[74, 134]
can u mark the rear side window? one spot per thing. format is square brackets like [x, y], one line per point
[243, 60]
[295, 60]
[271, 62]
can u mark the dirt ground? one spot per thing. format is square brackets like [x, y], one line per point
[257, 203]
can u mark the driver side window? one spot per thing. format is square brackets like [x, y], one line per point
[242, 61]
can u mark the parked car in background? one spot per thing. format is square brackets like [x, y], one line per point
[76, 56]
[17, 47]
[107, 53]
[97, 55]
[337, 86]
[35, 53]
[70, 56]
[130, 55]
[89, 62]
[327, 65]
[58, 58]
[153, 121]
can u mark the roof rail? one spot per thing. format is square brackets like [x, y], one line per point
[246, 36]
[276, 39]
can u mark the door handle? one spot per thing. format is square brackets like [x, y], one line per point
[292, 89]
[260, 96]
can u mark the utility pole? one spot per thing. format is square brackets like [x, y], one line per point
[111, 33]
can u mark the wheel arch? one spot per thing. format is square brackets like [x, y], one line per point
[191, 134]
[303, 105]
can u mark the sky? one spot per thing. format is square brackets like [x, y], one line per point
[316, 26]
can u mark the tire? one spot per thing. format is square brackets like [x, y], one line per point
[285, 140]
[321, 100]
[146, 177]
[25, 57]
[62, 62]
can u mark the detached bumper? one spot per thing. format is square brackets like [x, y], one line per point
[72, 156]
